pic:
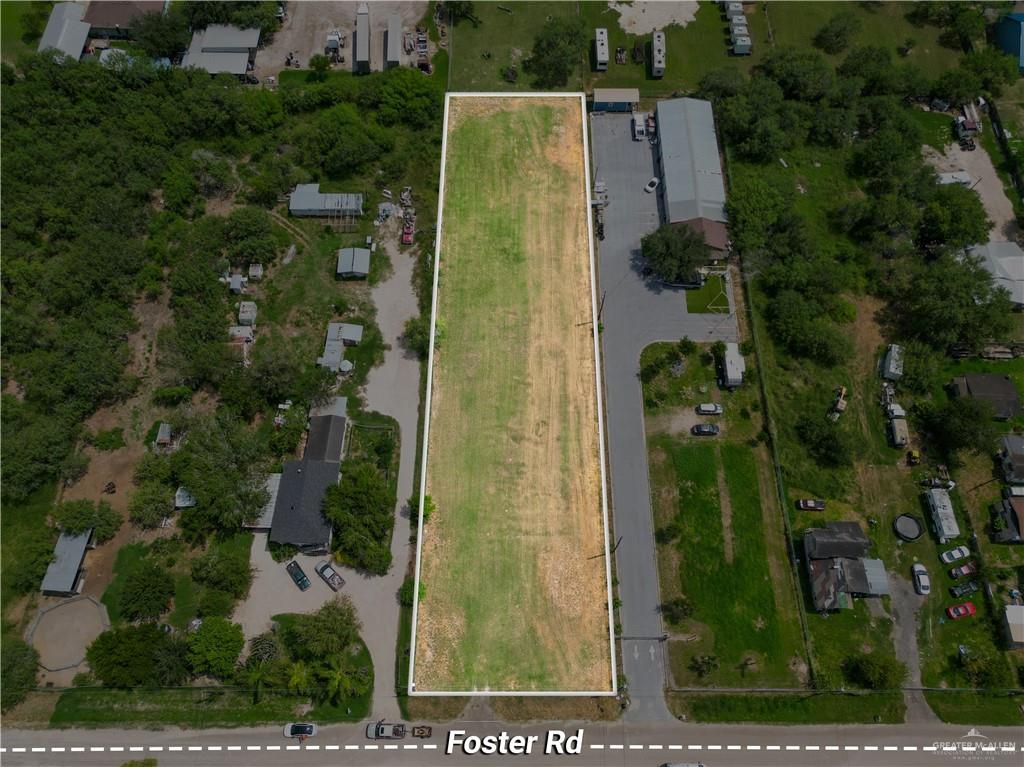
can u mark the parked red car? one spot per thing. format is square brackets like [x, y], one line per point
[962, 610]
[960, 571]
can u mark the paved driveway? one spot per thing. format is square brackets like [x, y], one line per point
[636, 312]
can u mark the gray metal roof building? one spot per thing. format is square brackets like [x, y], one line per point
[222, 48]
[362, 42]
[65, 31]
[733, 367]
[1005, 262]
[298, 514]
[308, 200]
[692, 181]
[353, 262]
[64, 572]
[892, 365]
[393, 46]
[247, 313]
[339, 335]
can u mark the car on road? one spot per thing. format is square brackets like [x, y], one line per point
[295, 571]
[810, 504]
[709, 408]
[383, 731]
[955, 555]
[962, 610]
[299, 730]
[330, 575]
[961, 571]
[922, 583]
[704, 430]
[651, 185]
[962, 590]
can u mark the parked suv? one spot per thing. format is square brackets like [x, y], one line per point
[962, 590]
[709, 408]
[297, 575]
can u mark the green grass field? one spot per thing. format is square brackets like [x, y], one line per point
[708, 298]
[741, 614]
[513, 462]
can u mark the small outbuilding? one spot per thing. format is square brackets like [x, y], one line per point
[223, 49]
[255, 272]
[183, 499]
[1013, 617]
[997, 390]
[742, 45]
[733, 367]
[241, 334]
[961, 177]
[64, 574]
[353, 263]
[738, 21]
[1011, 457]
[601, 49]
[247, 313]
[163, 434]
[940, 507]
[65, 31]
[308, 200]
[892, 363]
[616, 99]
[236, 283]
[733, 10]
[1008, 520]
[899, 434]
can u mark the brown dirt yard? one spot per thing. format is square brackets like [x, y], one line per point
[513, 581]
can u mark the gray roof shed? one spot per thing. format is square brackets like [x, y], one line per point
[394, 44]
[690, 165]
[363, 36]
[353, 262]
[308, 200]
[65, 30]
[62, 573]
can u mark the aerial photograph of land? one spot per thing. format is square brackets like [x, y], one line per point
[395, 382]
[513, 462]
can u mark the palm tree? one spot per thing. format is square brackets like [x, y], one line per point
[339, 680]
[256, 674]
[300, 677]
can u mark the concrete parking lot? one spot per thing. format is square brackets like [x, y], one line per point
[636, 312]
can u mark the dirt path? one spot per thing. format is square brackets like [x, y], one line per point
[294, 230]
[725, 504]
[986, 183]
[906, 605]
[867, 338]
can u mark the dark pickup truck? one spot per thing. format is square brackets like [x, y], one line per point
[297, 575]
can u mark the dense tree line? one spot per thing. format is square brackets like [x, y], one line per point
[906, 233]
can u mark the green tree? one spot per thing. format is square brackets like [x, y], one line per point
[461, 9]
[170, 662]
[416, 336]
[78, 516]
[300, 677]
[124, 657]
[361, 509]
[954, 219]
[409, 98]
[704, 665]
[331, 630]
[674, 253]
[992, 67]
[340, 678]
[828, 443]
[147, 592]
[151, 502]
[557, 51]
[224, 568]
[319, 66]
[214, 647]
[835, 36]
[961, 424]
[161, 35]
[18, 661]
[677, 610]
[957, 86]
[876, 670]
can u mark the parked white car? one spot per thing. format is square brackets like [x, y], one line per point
[709, 408]
[955, 555]
[299, 730]
[922, 583]
[651, 185]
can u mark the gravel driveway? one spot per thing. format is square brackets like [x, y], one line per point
[906, 605]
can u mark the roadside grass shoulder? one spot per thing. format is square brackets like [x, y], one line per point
[969, 708]
[809, 708]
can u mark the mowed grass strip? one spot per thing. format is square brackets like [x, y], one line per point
[514, 591]
[737, 616]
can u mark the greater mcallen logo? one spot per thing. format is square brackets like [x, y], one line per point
[973, 745]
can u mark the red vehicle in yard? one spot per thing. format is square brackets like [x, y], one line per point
[961, 571]
[407, 232]
[962, 610]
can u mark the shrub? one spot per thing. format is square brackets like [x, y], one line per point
[150, 503]
[406, 594]
[169, 396]
[18, 661]
[331, 630]
[361, 508]
[78, 516]
[147, 593]
[108, 440]
[124, 657]
[225, 569]
[876, 671]
[826, 442]
[214, 602]
[214, 647]
[677, 610]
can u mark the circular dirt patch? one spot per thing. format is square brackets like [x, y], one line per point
[62, 632]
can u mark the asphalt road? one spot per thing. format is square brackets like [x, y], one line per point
[636, 312]
[604, 744]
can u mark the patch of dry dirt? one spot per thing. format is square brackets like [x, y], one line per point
[643, 18]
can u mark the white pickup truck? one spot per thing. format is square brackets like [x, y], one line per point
[383, 731]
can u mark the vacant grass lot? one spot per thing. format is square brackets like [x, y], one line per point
[809, 708]
[513, 455]
[708, 298]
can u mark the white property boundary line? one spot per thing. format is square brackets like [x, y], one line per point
[600, 413]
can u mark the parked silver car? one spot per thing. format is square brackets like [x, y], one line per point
[922, 583]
